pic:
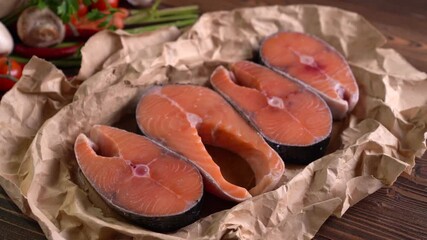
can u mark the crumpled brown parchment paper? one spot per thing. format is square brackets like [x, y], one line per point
[42, 115]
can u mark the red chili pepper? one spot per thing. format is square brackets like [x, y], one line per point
[79, 33]
[61, 51]
[10, 72]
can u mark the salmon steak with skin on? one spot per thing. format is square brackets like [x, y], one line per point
[140, 179]
[187, 119]
[315, 63]
[294, 120]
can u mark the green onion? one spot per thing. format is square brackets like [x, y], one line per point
[150, 15]
[148, 21]
[179, 24]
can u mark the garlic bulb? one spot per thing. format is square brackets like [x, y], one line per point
[6, 41]
[40, 27]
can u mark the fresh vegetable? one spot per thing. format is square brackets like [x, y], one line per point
[70, 62]
[80, 32]
[40, 27]
[62, 50]
[149, 28]
[66, 10]
[47, 23]
[103, 5]
[152, 19]
[6, 41]
[86, 26]
[83, 9]
[153, 15]
[10, 72]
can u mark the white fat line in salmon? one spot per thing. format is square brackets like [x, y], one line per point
[192, 118]
[272, 101]
[215, 128]
[91, 143]
[310, 61]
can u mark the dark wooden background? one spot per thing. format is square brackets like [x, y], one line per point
[398, 212]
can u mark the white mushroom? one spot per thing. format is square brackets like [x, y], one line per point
[6, 41]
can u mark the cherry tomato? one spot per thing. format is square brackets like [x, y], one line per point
[103, 5]
[119, 18]
[83, 9]
[86, 28]
[81, 12]
[9, 68]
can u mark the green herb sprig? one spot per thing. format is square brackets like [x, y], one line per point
[65, 9]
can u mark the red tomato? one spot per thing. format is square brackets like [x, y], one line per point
[6, 71]
[86, 28]
[119, 18]
[82, 11]
[103, 5]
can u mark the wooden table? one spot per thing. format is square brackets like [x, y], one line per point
[397, 212]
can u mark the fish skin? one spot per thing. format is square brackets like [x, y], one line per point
[211, 127]
[251, 89]
[129, 151]
[340, 105]
[301, 155]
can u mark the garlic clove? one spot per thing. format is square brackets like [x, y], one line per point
[6, 41]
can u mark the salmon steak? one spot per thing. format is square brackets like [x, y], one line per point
[316, 64]
[139, 178]
[294, 120]
[187, 119]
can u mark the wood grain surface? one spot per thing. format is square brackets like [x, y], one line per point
[397, 212]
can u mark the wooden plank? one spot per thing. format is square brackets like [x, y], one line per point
[397, 212]
[14, 224]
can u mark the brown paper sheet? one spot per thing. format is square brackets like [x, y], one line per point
[41, 117]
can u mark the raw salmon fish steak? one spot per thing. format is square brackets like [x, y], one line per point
[316, 64]
[293, 119]
[188, 118]
[139, 178]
